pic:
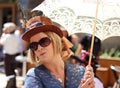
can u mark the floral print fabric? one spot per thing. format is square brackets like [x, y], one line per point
[40, 77]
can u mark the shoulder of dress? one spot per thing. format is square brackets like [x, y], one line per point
[36, 70]
[75, 67]
[31, 71]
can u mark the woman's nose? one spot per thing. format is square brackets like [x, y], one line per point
[39, 47]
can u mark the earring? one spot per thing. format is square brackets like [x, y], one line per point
[37, 59]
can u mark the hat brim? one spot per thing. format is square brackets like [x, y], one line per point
[52, 28]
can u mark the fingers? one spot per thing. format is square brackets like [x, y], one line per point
[89, 83]
[89, 68]
[88, 73]
[88, 78]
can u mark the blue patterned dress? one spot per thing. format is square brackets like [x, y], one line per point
[40, 77]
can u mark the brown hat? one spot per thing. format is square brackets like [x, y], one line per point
[39, 24]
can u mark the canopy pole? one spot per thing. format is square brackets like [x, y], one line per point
[93, 35]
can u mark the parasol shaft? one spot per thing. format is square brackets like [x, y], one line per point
[93, 35]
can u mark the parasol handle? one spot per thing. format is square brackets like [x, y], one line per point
[93, 36]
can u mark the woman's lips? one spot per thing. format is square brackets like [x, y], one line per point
[42, 54]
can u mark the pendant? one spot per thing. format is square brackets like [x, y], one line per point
[59, 79]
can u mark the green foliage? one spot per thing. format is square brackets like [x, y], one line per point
[112, 52]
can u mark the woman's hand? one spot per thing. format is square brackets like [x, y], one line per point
[88, 78]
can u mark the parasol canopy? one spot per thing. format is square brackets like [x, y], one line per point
[98, 17]
[77, 16]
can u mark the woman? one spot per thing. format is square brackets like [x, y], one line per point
[46, 43]
[85, 45]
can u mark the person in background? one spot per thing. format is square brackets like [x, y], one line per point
[85, 44]
[20, 58]
[76, 60]
[84, 47]
[83, 52]
[74, 39]
[10, 43]
[46, 44]
[37, 13]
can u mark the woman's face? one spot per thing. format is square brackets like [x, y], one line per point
[44, 49]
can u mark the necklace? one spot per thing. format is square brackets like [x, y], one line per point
[65, 74]
[59, 79]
